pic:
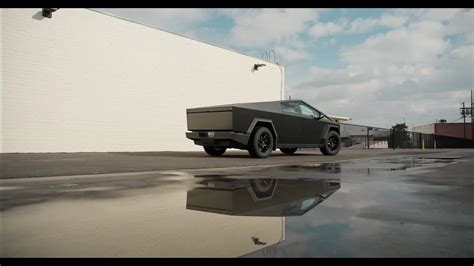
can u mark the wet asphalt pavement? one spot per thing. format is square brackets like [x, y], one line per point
[24, 165]
[412, 205]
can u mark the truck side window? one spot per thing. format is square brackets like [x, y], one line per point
[290, 107]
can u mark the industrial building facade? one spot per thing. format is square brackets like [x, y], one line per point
[456, 130]
[84, 81]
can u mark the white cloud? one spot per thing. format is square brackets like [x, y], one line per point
[322, 77]
[291, 55]
[462, 23]
[171, 19]
[416, 43]
[464, 52]
[327, 29]
[393, 21]
[360, 25]
[458, 21]
[439, 14]
[257, 28]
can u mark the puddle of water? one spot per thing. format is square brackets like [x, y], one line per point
[10, 188]
[63, 185]
[346, 209]
[92, 189]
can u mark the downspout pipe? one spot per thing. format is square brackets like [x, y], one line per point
[282, 88]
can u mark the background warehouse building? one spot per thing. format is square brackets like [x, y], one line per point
[456, 130]
[87, 81]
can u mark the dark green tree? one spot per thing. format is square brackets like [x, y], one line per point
[401, 136]
[401, 127]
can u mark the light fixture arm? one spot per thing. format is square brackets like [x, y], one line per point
[256, 66]
[48, 12]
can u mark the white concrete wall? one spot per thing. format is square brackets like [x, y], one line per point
[1, 80]
[86, 81]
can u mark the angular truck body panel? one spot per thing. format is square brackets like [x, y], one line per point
[210, 120]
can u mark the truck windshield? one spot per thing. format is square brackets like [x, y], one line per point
[308, 111]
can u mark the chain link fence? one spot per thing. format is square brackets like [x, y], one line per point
[366, 137]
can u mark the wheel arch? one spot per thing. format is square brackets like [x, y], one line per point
[335, 128]
[257, 122]
[331, 128]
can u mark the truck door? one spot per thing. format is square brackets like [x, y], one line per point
[292, 125]
[312, 126]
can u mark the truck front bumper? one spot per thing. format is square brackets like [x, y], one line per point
[219, 139]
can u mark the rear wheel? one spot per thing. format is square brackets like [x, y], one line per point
[214, 151]
[288, 150]
[332, 145]
[263, 188]
[261, 143]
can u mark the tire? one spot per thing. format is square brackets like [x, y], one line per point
[214, 151]
[332, 145]
[263, 185]
[261, 143]
[263, 188]
[288, 150]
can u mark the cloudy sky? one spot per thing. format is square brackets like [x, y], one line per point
[376, 66]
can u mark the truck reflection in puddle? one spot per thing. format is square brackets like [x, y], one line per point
[159, 217]
[260, 197]
[269, 197]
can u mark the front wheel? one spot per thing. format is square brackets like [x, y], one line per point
[332, 145]
[214, 151]
[261, 143]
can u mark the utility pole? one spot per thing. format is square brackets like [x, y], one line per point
[368, 138]
[464, 118]
[472, 120]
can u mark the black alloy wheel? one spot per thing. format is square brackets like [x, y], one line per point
[332, 145]
[261, 143]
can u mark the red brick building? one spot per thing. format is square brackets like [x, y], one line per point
[453, 129]
[446, 129]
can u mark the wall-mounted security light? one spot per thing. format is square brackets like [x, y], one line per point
[256, 66]
[48, 12]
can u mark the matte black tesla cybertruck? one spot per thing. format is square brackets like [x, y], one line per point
[262, 127]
